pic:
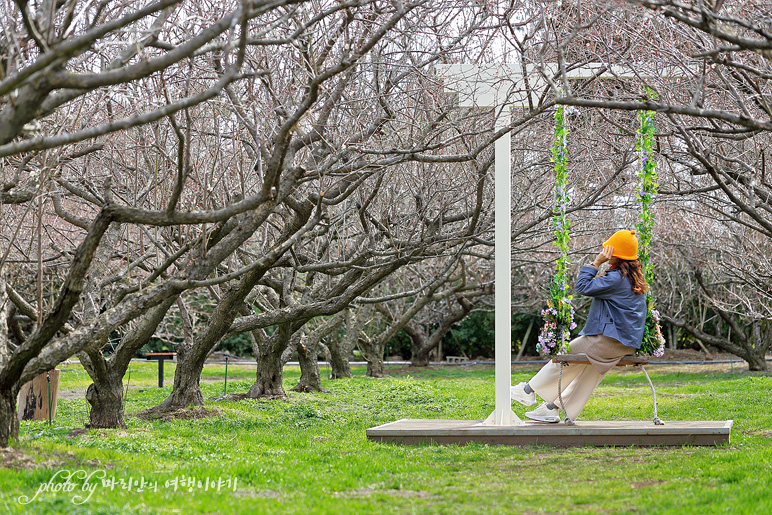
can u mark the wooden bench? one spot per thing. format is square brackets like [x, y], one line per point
[629, 360]
[160, 357]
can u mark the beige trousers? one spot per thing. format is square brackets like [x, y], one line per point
[579, 381]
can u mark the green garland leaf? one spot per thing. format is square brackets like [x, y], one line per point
[653, 342]
[559, 316]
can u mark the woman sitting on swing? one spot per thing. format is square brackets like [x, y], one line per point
[614, 329]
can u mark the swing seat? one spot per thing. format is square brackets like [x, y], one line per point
[629, 360]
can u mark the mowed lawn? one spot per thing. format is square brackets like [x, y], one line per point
[309, 454]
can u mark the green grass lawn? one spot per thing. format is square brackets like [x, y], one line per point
[310, 454]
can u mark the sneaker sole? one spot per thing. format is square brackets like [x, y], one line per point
[538, 418]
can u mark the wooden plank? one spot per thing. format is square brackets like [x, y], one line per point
[630, 359]
[32, 400]
[583, 433]
[580, 427]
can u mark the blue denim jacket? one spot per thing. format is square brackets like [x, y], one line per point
[616, 311]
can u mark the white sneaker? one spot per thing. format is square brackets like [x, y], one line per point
[517, 393]
[544, 414]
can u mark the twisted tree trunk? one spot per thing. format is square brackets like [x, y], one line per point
[310, 376]
[423, 344]
[13, 365]
[756, 363]
[270, 377]
[419, 357]
[186, 390]
[105, 394]
[340, 368]
[752, 348]
[5, 315]
[374, 351]
[270, 369]
[191, 356]
[106, 403]
[9, 421]
[308, 355]
[341, 350]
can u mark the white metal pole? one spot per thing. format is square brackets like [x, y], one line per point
[503, 414]
[503, 255]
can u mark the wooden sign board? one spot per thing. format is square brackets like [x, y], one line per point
[33, 397]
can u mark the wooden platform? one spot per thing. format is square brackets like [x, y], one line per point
[583, 433]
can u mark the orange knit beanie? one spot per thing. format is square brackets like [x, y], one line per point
[625, 245]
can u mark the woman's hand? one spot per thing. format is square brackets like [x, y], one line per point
[604, 256]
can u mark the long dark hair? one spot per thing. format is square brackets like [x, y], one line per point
[634, 271]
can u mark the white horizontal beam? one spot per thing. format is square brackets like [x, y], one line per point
[490, 86]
